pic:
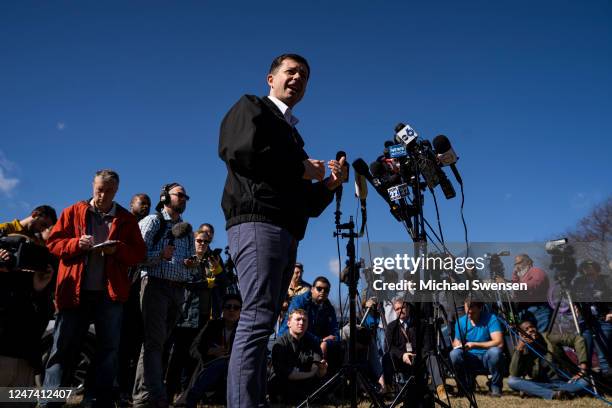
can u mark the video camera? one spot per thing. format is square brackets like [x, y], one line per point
[562, 259]
[24, 253]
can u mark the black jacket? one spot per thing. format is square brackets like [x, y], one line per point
[397, 341]
[289, 353]
[264, 156]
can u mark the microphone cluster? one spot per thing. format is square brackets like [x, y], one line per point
[406, 160]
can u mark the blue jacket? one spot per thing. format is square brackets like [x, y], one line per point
[322, 321]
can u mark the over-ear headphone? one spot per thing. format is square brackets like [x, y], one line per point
[164, 195]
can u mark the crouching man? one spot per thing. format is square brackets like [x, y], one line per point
[478, 347]
[296, 360]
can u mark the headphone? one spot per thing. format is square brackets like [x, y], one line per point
[164, 195]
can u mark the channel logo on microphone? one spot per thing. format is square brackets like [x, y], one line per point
[397, 151]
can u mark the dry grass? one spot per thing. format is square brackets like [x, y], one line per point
[510, 399]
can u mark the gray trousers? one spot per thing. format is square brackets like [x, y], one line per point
[264, 256]
[161, 306]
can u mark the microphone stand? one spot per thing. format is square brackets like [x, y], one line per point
[426, 349]
[350, 371]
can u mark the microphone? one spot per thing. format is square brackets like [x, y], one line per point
[433, 173]
[361, 189]
[178, 231]
[447, 155]
[361, 167]
[338, 191]
[405, 134]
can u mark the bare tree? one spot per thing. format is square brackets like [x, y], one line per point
[592, 237]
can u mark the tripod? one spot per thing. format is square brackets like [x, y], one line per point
[350, 370]
[587, 318]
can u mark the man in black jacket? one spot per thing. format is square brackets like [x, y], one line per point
[297, 361]
[400, 335]
[271, 190]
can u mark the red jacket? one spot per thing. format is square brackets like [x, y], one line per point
[64, 244]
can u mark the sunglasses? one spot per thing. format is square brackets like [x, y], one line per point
[202, 241]
[232, 307]
[181, 195]
[322, 289]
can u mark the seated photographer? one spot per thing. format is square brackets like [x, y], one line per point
[323, 325]
[297, 361]
[591, 288]
[212, 348]
[477, 347]
[545, 381]
[25, 302]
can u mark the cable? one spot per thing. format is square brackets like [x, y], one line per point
[552, 364]
[433, 193]
[465, 229]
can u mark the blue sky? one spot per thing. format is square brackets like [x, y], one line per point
[522, 89]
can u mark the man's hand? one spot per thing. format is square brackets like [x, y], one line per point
[167, 252]
[4, 257]
[314, 169]
[470, 345]
[86, 242]
[520, 346]
[408, 358]
[41, 279]
[371, 302]
[322, 368]
[582, 373]
[338, 173]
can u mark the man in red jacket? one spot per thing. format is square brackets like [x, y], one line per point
[96, 241]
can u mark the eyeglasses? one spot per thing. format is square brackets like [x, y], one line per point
[181, 196]
[202, 241]
[322, 289]
[232, 307]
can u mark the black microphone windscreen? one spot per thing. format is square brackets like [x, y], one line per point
[441, 144]
[181, 229]
[361, 167]
[340, 154]
[377, 169]
[399, 127]
[389, 143]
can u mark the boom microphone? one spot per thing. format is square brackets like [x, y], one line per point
[447, 155]
[178, 231]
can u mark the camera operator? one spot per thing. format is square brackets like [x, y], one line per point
[534, 306]
[41, 218]
[25, 305]
[595, 316]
